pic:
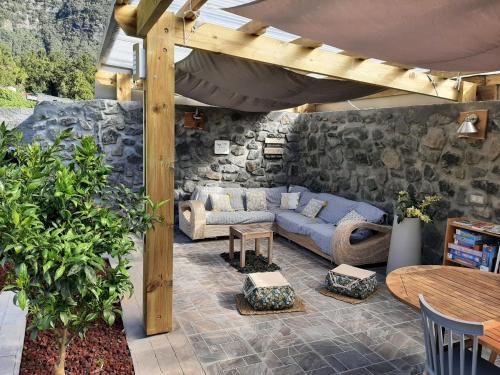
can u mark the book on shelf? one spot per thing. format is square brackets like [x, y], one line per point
[463, 255]
[468, 262]
[495, 229]
[475, 224]
[470, 235]
[489, 253]
[465, 249]
[467, 242]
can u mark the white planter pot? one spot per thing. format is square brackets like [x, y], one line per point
[406, 244]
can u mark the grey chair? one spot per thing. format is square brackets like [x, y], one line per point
[443, 357]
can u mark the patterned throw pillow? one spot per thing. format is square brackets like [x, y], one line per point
[313, 208]
[352, 216]
[256, 201]
[221, 202]
[289, 201]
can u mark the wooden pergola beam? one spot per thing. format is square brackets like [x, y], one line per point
[148, 12]
[308, 43]
[254, 28]
[189, 9]
[123, 87]
[219, 39]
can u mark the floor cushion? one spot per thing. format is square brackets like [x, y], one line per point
[268, 291]
[238, 217]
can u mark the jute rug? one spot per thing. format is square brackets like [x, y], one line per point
[340, 297]
[244, 308]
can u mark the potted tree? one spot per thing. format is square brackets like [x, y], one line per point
[59, 219]
[406, 243]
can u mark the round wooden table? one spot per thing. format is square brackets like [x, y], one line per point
[462, 293]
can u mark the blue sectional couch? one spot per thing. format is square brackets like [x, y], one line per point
[349, 242]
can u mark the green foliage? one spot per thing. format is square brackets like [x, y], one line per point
[58, 220]
[408, 206]
[10, 73]
[57, 75]
[72, 27]
[13, 99]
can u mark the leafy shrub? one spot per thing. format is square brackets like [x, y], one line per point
[58, 220]
[13, 99]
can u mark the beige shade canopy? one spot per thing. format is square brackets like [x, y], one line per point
[234, 83]
[452, 35]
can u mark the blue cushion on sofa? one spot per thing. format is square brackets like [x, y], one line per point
[304, 199]
[371, 213]
[273, 196]
[336, 208]
[297, 189]
[294, 222]
[238, 217]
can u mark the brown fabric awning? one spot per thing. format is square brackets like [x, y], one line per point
[229, 82]
[452, 35]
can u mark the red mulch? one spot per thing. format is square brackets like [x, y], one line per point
[104, 351]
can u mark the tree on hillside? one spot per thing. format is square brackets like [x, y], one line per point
[57, 75]
[10, 73]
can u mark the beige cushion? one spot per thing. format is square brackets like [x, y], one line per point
[358, 273]
[313, 208]
[256, 201]
[352, 216]
[221, 202]
[289, 201]
[268, 279]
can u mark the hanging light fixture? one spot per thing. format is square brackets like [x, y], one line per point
[468, 126]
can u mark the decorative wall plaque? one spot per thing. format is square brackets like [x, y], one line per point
[221, 147]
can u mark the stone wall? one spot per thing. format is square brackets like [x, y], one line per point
[371, 155]
[366, 155]
[117, 128]
[245, 165]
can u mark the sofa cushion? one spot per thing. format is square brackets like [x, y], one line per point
[201, 193]
[256, 200]
[297, 189]
[238, 217]
[237, 196]
[289, 201]
[294, 222]
[371, 213]
[322, 235]
[220, 202]
[273, 196]
[352, 216]
[313, 208]
[336, 208]
[304, 199]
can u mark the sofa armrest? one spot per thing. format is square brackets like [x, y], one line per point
[192, 218]
[374, 249]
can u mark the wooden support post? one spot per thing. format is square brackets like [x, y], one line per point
[159, 173]
[123, 87]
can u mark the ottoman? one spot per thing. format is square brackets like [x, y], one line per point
[351, 281]
[268, 291]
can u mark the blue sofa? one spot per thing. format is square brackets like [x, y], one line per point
[349, 242]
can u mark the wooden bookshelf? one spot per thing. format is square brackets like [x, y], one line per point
[450, 231]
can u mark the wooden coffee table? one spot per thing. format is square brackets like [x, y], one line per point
[249, 232]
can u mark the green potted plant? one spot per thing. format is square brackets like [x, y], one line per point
[59, 219]
[406, 244]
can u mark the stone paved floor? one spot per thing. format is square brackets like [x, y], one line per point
[381, 336]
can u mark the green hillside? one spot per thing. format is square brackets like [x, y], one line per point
[73, 27]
